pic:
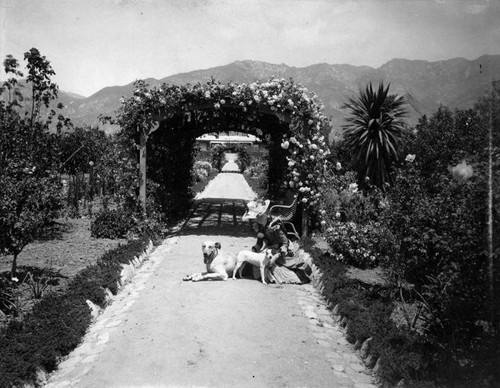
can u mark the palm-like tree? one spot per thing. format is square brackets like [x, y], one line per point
[374, 132]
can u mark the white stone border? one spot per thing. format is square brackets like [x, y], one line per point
[361, 349]
[127, 273]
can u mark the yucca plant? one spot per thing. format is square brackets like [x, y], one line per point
[374, 132]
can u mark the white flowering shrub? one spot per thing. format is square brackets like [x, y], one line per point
[360, 245]
[201, 170]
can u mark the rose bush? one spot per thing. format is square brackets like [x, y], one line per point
[201, 170]
[360, 245]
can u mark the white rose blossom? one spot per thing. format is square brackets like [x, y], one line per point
[462, 172]
[410, 158]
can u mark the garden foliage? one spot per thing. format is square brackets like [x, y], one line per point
[121, 223]
[29, 183]
[439, 215]
[111, 224]
[218, 159]
[430, 231]
[201, 170]
[58, 322]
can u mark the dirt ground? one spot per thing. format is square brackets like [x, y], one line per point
[66, 249]
[69, 249]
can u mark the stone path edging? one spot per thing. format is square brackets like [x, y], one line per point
[343, 360]
[107, 320]
[363, 350]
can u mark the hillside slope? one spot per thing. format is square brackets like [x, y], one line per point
[456, 83]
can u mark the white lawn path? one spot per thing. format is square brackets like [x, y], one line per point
[227, 186]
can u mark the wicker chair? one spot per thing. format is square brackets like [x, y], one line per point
[284, 214]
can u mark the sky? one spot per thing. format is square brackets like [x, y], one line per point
[92, 44]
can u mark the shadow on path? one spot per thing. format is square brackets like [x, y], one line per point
[212, 218]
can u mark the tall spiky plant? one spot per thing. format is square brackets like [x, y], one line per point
[374, 132]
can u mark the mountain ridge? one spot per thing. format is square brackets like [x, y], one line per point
[455, 82]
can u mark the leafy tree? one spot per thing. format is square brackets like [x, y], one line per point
[9, 86]
[42, 89]
[447, 138]
[374, 133]
[29, 158]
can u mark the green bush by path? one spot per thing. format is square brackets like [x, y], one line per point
[360, 245]
[127, 223]
[111, 224]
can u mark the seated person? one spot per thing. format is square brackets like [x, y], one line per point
[286, 266]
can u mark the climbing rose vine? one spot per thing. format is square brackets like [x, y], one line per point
[304, 143]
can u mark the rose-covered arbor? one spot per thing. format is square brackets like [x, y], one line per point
[166, 120]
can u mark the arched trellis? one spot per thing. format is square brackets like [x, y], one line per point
[281, 110]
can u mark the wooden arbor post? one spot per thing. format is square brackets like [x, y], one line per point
[305, 222]
[144, 134]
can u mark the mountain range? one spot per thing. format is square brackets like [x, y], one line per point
[455, 83]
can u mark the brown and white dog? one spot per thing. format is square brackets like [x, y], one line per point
[220, 265]
[260, 259]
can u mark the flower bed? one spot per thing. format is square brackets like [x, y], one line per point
[362, 246]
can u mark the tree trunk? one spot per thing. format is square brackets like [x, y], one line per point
[142, 167]
[305, 222]
[13, 269]
[493, 262]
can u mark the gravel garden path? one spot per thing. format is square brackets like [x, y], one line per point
[160, 331]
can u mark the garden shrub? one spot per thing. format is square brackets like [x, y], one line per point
[404, 355]
[257, 174]
[343, 201]
[361, 246]
[51, 318]
[123, 254]
[257, 168]
[201, 170]
[111, 224]
[130, 224]
[90, 282]
[51, 330]
[440, 253]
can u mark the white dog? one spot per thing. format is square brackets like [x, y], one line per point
[220, 265]
[259, 259]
